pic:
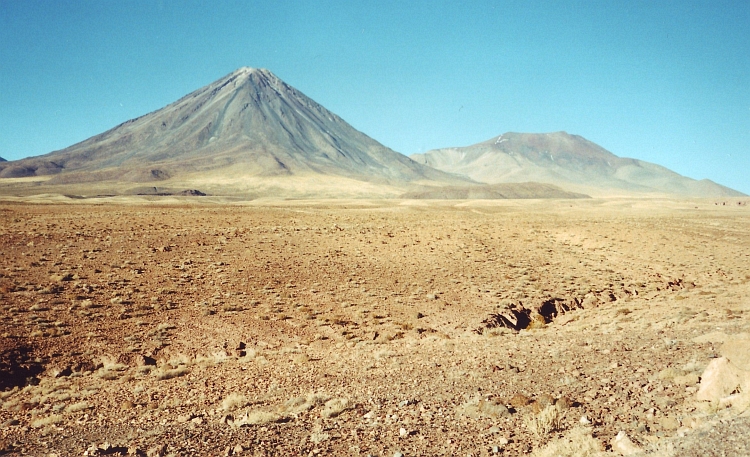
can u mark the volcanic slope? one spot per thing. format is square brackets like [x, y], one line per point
[244, 130]
[569, 161]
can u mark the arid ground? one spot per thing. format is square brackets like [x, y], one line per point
[189, 327]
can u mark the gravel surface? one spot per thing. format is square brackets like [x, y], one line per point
[368, 328]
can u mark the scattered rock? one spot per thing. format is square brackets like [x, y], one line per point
[622, 444]
[719, 380]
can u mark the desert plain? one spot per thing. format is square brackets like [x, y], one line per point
[192, 326]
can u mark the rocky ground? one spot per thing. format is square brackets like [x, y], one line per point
[369, 328]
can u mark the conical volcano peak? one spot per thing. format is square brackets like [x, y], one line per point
[249, 125]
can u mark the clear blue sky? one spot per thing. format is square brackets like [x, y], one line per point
[666, 82]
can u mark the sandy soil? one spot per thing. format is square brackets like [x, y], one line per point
[366, 327]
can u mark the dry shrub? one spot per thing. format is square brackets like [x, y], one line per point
[288, 410]
[298, 405]
[109, 375]
[669, 374]
[17, 404]
[578, 442]
[319, 437]
[212, 359]
[496, 331]
[163, 374]
[543, 423]
[49, 420]
[61, 396]
[76, 407]
[479, 407]
[259, 418]
[334, 407]
[234, 401]
[164, 327]
[180, 359]
[8, 393]
[228, 308]
[111, 370]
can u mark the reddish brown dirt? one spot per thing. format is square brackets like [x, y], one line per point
[125, 328]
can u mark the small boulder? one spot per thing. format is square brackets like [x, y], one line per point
[622, 444]
[719, 380]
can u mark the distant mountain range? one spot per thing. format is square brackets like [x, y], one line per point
[569, 161]
[250, 133]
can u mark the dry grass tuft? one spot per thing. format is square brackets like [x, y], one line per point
[334, 407]
[479, 407]
[49, 420]
[298, 405]
[214, 358]
[111, 371]
[290, 409]
[543, 423]
[180, 359]
[259, 418]
[76, 407]
[234, 401]
[163, 374]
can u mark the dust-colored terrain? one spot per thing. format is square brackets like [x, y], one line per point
[369, 327]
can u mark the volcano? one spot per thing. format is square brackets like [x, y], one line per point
[569, 161]
[246, 131]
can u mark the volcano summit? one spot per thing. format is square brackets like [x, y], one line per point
[247, 131]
